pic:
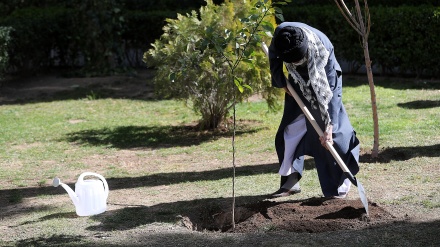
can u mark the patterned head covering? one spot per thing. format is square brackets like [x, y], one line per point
[316, 90]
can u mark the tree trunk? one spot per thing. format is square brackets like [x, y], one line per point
[364, 33]
[375, 151]
[357, 22]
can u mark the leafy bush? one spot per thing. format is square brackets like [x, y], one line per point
[201, 77]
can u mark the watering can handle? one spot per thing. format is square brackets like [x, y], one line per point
[81, 178]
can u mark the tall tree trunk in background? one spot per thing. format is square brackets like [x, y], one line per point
[363, 29]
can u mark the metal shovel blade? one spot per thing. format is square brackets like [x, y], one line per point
[363, 196]
[361, 189]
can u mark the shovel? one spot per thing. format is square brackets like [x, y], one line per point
[330, 147]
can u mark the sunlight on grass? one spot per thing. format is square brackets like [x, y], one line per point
[155, 142]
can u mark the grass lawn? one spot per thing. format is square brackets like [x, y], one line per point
[159, 167]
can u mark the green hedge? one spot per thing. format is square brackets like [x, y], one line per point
[96, 34]
[143, 27]
[372, 3]
[5, 40]
[407, 37]
[37, 31]
[402, 36]
[403, 39]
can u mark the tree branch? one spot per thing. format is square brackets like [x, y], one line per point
[348, 16]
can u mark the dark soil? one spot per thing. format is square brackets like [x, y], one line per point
[311, 215]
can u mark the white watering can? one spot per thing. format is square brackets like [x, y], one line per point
[90, 196]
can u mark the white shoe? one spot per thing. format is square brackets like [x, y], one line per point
[344, 188]
[342, 195]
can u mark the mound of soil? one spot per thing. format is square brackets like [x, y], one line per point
[312, 215]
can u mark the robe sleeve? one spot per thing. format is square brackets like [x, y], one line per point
[333, 72]
[276, 68]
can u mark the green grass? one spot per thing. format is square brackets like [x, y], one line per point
[151, 149]
[49, 136]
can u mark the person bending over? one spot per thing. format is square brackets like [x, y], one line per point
[314, 73]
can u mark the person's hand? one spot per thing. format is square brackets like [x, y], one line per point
[327, 137]
[287, 91]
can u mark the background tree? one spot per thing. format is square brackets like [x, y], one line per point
[5, 39]
[363, 29]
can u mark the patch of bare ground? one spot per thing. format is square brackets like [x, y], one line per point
[51, 86]
[311, 215]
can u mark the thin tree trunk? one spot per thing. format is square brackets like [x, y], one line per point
[357, 22]
[375, 151]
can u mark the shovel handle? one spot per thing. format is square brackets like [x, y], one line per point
[315, 125]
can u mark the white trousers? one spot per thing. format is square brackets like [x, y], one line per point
[293, 134]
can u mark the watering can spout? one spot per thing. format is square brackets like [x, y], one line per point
[72, 194]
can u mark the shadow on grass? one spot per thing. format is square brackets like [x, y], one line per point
[211, 214]
[14, 196]
[8, 197]
[54, 240]
[54, 87]
[154, 137]
[195, 214]
[391, 82]
[420, 104]
[69, 215]
[393, 234]
[389, 154]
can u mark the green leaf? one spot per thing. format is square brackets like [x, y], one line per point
[248, 87]
[248, 52]
[237, 82]
[278, 10]
[249, 61]
[280, 17]
[267, 26]
[285, 2]
[254, 17]
[212, 59]
[269, 34]
[244, 20]
[172, 76]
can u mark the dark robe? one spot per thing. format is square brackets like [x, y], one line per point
[344, 137]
